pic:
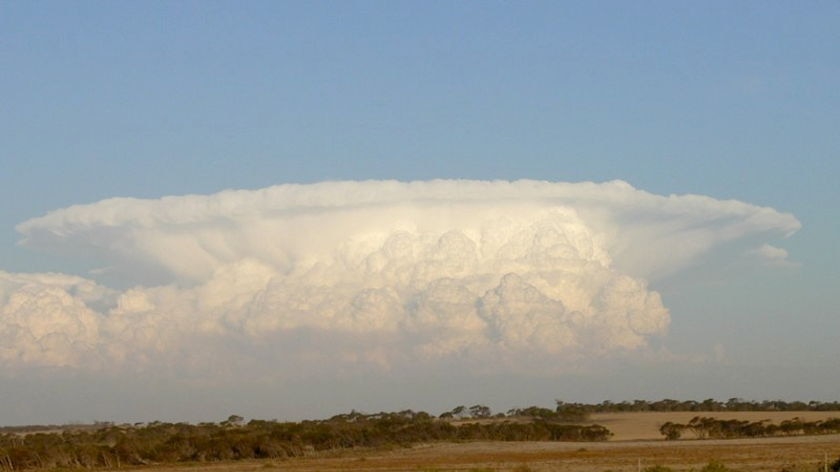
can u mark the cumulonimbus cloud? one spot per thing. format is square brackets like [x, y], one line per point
[384, 270]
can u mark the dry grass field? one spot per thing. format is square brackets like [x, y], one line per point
[636, 445]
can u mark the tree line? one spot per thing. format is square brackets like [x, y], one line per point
[709, 404]
[113, 446]
[572, 411]
[703, 427]
[563, 411]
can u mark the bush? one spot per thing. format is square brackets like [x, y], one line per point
[672, 431]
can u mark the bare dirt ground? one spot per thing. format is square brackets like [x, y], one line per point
[636, 445]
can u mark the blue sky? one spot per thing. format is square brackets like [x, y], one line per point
[727, 100]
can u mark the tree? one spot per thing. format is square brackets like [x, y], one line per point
[480, 411]
[233, 420]
[571, 412]
[459, 411]
[672, 431]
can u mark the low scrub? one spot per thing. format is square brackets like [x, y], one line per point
[115, 446]
[703, 427]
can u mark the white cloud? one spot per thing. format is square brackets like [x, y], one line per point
[374, 273]
[772, 255]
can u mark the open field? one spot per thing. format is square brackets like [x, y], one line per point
[805, 454]
[636, 444]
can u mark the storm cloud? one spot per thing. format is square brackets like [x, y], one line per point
[370, 274]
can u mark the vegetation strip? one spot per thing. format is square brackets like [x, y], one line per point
[107, 445]
[114, 446]
[706, 427]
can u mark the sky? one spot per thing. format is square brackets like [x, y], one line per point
[294, 209]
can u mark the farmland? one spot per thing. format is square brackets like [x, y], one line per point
[636, 443]
[794, 454]
[416, 441]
